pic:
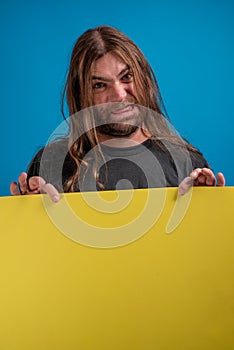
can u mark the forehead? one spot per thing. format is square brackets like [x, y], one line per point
[108, 65]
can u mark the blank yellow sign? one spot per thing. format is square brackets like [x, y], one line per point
[154, 288]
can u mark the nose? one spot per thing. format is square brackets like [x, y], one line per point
[118, 93]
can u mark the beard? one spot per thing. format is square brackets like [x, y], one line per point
[118, 119]
[117, 129]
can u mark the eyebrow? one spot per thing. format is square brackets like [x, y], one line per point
[124, 70]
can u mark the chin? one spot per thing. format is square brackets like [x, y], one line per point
[118, 129]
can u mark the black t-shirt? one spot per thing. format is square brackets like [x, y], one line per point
[150, 164]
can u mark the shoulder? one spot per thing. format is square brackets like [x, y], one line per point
[48, 153]
[178, 151]
[198, 160]
[53, 148]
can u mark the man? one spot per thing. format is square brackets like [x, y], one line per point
[116, 112]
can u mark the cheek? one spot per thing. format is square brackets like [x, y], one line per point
[132, 90]
[98, 99]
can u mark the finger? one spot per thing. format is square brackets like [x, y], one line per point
[210, 179]
[22, 182]
[201, 180]
[35, 183]
[14, 189]
[221, 179]
[185, 185]
[195, 173]
[51, 191]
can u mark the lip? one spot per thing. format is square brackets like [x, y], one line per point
[124, 109]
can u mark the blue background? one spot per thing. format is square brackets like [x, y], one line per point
[188, 43]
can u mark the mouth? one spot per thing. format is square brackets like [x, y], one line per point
[123, 110]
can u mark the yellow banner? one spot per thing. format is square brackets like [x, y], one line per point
[139, 269]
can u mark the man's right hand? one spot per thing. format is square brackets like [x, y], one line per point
[34, 185]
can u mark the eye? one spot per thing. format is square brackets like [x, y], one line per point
[128, 77]
[98, 86]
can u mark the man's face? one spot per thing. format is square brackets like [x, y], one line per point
[113, 84]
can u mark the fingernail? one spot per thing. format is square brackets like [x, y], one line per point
[194, 174]
[55, 198]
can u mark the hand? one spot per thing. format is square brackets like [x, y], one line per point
[201, 177]
[35, 185]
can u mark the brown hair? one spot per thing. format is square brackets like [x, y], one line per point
[90, 46]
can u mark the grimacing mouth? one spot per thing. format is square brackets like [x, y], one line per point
[125, 108]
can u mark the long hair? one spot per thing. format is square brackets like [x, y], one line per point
[90, 46]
